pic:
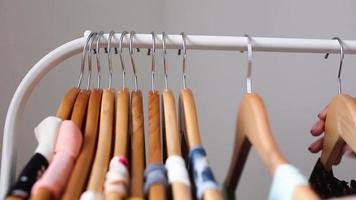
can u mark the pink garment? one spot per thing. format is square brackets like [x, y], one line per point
[67, 149]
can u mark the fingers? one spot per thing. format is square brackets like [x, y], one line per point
[316, 146]
[322, 114]
[318, 128]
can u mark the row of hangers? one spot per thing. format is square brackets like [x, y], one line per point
[180, 134]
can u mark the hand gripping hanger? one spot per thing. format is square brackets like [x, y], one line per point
[340, 124]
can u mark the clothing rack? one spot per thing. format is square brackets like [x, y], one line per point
[196, 42]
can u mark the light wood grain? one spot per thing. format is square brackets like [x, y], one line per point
[340, 126]
[65, 107]
[121, 134]
[171, 124]
[122, 123]
[137, 145]
[80, 173]
[103, 150]
[193, 133]
[253, 127]
[43, 194]
[156, 191]
[113, 196]
[191, 118]
[181, 191]
[80, 108]
[172, 140]
[154, 128]
[13, 198]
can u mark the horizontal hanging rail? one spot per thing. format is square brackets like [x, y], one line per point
[235, 43]
[197, 42]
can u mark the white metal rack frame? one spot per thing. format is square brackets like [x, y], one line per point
[197, 42]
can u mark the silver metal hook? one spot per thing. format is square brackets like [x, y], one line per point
[132, 33]
[153, 61]
[249, 64]
[98, 67]
[342, 55]
[184, 38]
[82, 63]
[164, 38]
[111, 35]
[90, 58]
[123, 68]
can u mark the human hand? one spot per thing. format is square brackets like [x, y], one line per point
[317, 130]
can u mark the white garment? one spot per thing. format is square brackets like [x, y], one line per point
[285, 180]
[176, 170]
[90, 195]
[46, 134]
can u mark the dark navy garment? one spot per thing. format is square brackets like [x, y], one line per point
[29, 175]
[326, 185]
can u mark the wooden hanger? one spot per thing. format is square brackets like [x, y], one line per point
[65, 108]
[156, 191]
[192, 132]
[179, 190]
[103, 150]
[80, 108]
[189, 121]
[137, 145]
[340, 127]
[79, 177]
[78, 114]
[121, 133]
[340, 122]
[253, 127]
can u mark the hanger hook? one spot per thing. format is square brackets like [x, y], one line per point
[164, 38]
[123, 68]
[132, 34]
[184, 44]
[82, 63]
[111, 35]
[90, 54]
[249, 63]
[153, 61]
[98, 66]
[342, 55]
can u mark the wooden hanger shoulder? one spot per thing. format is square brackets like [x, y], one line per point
[81, 170]
[65, 108]
[340, 127]
[156, 191]
[193, 133]
[103, 151]
[137, 145]
[80, 108]
[122, 123]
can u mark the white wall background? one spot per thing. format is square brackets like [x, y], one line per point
[294, 86]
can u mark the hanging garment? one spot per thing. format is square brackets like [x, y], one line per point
[285, 181]
[326, 185]
[46, 134]
[67, 149]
